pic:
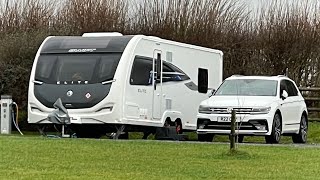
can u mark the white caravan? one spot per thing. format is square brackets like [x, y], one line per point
[107, 80]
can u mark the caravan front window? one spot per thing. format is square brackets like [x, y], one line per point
[93, 68]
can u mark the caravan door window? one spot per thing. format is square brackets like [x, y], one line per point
[141, 73]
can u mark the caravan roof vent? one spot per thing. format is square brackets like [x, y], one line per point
[101, 34]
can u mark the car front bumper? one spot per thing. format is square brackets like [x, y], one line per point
[246, 124]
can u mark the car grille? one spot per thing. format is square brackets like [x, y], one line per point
[250, 125]
[227, 126]
[227, 111]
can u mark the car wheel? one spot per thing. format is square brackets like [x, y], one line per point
[275, 136]
[303, 131]
[205, 137]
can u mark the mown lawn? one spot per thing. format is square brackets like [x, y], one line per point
[44, 158]
[313, 136]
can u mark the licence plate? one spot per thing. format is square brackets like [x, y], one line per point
[224, 119]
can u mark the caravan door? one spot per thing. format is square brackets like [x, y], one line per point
[157, 84]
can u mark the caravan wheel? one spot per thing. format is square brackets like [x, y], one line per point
[178, 125]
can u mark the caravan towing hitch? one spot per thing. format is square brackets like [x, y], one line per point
[119, 131]
[59, 133]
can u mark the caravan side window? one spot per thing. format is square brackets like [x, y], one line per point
[141, 73]
[141, 69]
[172, 73]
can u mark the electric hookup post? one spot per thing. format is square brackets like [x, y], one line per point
[6, 110]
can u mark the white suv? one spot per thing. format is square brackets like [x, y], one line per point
[265, 106]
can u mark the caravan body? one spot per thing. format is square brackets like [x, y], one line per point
[112, 80]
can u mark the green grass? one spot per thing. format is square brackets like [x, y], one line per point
[313, 136]
[44, 158]
[34, 157]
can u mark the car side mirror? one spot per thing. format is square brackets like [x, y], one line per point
[284, 95]
[212, 92]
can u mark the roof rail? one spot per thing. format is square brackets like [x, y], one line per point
[281, 75]
[236, 75]
[101, 34]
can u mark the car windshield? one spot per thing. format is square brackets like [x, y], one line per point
[248, 87]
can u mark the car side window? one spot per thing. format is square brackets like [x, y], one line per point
[292, 88]
[283, 86]
[289, 87]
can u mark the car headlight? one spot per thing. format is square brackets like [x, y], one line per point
[204, 109]
[261, 110]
